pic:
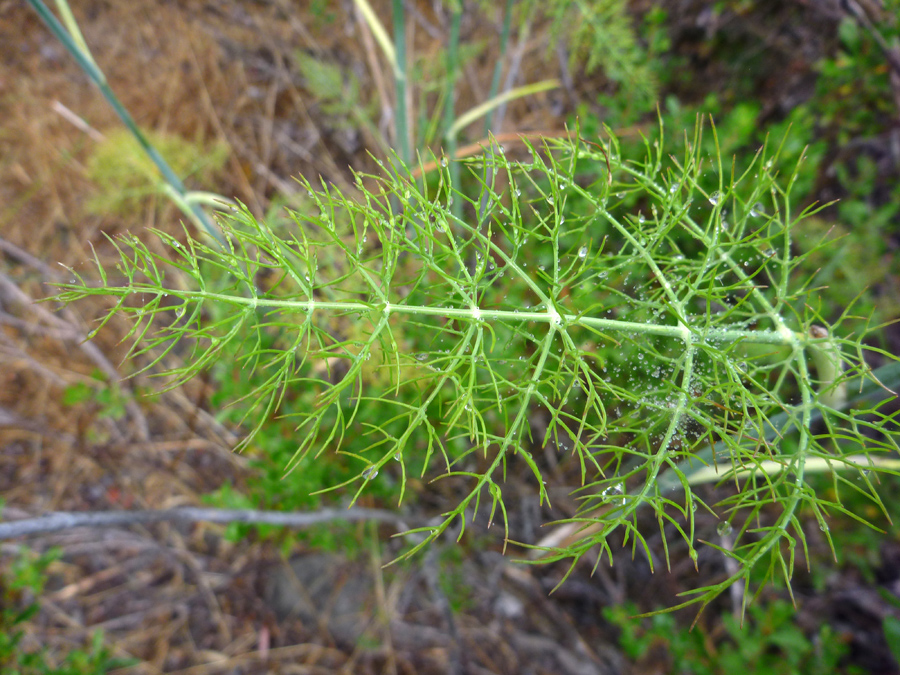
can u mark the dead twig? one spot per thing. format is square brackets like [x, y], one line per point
[9, 419]
[64, 520]
[69, 331]
[26, 258]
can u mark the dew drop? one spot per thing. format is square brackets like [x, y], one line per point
[613, 491]
[370, 473]
[724, 529]
[582, 252]
[715, 197]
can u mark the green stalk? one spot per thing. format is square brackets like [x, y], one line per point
[495, 87]
[826, 355]
[498, 67]
[400, 81]
[62, 6]
[86, 63]
[452, 67]
[550, 317]
[449, 108]
[483, 108]
[378, 31]
[719, 473]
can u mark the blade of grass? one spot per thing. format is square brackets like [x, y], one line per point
[78, 49]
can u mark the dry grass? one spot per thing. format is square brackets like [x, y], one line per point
[182, 599]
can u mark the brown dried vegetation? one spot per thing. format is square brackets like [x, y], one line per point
[183, 599]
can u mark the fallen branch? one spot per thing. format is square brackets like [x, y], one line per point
[67, 329]
[64, 520]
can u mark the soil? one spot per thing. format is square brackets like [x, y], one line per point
[186, 599]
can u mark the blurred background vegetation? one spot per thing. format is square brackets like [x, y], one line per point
[241, 96]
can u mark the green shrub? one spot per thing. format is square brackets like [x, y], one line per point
[768, 642]
[19, 584]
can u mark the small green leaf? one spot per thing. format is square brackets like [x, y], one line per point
[77, 393]
[892, 635]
